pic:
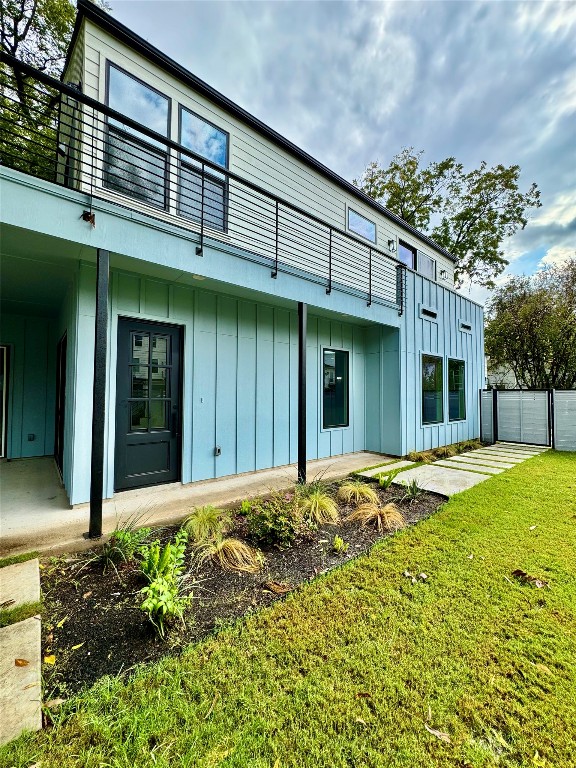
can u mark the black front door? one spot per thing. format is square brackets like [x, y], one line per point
[147, 404]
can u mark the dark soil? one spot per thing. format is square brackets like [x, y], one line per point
[93, 624]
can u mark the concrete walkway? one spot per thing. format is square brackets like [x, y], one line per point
[450, 476]
[35, 515]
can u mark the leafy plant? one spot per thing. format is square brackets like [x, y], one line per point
[162, 601]
[412, 491]
[339, 545]
[274, 521]
[385, 481]
[206, 522]
[386, 518]
[123, 545]
[245, 507]
[317, 484]
[164, 562]
[355, 491]
[231, 554]
[319, 508]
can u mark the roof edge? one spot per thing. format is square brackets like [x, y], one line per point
[88, 9]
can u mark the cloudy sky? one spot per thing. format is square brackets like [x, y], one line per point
[352, 82]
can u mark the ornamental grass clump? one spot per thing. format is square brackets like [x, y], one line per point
[425, 457]
[319, 508]
[445, 451]
[383, 518]
[355, 491]
[206, 522]
[231, 554]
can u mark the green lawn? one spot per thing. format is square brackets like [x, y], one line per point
[351, 669]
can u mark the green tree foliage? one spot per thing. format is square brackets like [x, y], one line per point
[469, 213]
[532, 328]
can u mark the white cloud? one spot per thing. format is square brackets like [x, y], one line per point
[558, 255]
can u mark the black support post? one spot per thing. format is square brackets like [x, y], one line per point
[302, 323]
[99, 394]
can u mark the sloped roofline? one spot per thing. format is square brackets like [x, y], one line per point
[89, 10]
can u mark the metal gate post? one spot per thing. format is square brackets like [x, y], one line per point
[494, 415]
[302, 323]
[551, 425]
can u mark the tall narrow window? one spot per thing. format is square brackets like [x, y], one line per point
[456, 390]
[432, 390]
[406, 254]
[335, 388]
[134, 164]
[211, 143]
[426, 266]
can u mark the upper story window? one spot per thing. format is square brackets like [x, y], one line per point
[406, 254]
[212, 143]
[361, 225]
[134, 164]
[426, 266]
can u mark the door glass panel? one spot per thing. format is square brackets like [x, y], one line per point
[140, 347]
[158, 414]
[139, 381]
[159, 383]
[139, 416]
[160, 349]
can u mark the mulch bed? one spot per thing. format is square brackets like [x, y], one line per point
[93, 625]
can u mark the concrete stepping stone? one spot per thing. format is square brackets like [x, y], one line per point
[480, 461]
[441, 479]
[495, 456]
[19, 584]
[470, 465]
[526, 446]
[385, 469]
[21, 692]
[510, 452]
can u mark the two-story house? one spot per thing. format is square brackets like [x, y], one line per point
[222, 300]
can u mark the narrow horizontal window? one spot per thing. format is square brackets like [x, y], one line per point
[432, 390]
[406, 254]
[426, 266]
[361, 226]
[456, 390]
[429, 313]
[335, 388]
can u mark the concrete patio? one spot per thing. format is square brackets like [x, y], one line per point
[35, 513]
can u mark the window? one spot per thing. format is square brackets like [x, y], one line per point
[456, 390]
[134, 164]
[361, 226]
[335, 389]
[432, 390]
[211, 143]
[426, 266]
[407, 254]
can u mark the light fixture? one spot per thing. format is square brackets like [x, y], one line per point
[392, 246]
[198, 277]
[443, 273]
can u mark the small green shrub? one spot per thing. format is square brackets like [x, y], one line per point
[412, 491]
[274, 521]
[319, 508]
[245, 507]
[164, 562]
[163, 601]
[355, 491]
[206, 522]
[339, 545]
[385, 481]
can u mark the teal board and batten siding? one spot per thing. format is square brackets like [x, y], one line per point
[31, 386]
[240, 379]
[443, 337]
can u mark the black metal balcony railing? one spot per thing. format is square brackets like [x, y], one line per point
[52, 131]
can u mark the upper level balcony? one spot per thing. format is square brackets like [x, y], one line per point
[54, 132]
